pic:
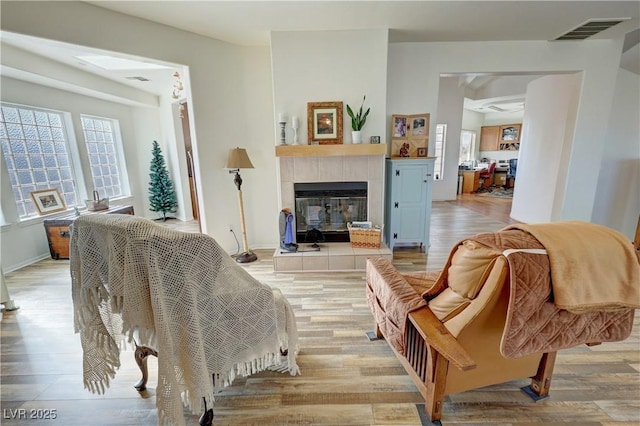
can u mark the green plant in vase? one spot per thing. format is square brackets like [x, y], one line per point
[357, 121]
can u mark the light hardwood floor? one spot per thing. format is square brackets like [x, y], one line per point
[345, 380]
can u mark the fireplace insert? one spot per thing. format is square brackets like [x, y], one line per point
[327, 207]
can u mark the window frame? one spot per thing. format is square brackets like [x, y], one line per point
[125, 190]
[438, 168]
[472, 148]
[71, 153]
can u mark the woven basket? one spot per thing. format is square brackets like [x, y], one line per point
[365, 238]
[97, 203]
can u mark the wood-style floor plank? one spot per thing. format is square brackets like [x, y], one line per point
[345, 380]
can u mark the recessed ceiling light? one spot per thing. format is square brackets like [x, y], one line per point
[113, 63]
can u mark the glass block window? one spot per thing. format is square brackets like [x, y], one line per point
[35, 148]
[441, 136]
[100, 135]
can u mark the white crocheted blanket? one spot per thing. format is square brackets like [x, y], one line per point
[181, 294]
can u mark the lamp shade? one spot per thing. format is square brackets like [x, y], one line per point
[238, 159]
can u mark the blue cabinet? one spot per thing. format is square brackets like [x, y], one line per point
[409, 183]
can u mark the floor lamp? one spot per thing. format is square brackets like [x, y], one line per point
[238, 159]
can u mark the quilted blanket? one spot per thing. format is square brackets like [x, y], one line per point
[593, 267]
[534, 323]
[209, 319]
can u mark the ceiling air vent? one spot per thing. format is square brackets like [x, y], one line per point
[138, 78]
[590, 28]
[496, 108]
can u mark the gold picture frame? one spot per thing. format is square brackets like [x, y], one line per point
[48, 201]
[324, 123]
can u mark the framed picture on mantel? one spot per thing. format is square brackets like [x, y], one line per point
[412, 130]
[324, 122]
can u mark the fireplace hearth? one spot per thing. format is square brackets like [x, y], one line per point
[348, 163]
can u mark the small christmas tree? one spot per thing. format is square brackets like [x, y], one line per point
[162, 197]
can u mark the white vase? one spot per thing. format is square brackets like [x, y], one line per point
[356, 136]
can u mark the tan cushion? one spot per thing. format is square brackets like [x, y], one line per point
[470, 266]
[448, 304]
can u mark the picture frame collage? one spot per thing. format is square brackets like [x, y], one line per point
[410, 135]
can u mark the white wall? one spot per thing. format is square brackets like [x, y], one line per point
[325, 66]
[547, 138]
[473, 121]
[415, 68]
[450, 109]
[15, 252]
[504, 86]
[261, 207]
[620, 170]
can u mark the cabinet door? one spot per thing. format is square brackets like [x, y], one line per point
[411, 199]
[510, 133]
[489, 138]
[408, 201]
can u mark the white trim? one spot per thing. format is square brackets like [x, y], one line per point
[27, 262]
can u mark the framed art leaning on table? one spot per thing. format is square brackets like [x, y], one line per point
[47, 201]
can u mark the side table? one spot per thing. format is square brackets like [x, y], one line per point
[58, 230]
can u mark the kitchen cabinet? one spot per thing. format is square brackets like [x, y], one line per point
[489, 138]
[510, 137]
[505, 137]
[409, 184]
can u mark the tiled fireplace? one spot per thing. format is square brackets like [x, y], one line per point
[331, 163]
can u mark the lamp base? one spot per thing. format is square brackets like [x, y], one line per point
[246, 257]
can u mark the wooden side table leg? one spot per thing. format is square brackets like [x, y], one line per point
[141, 354]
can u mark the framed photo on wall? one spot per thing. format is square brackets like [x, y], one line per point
[419, 126]
[398, 127]
[411, 130]
[47, 201]
[324, 122]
